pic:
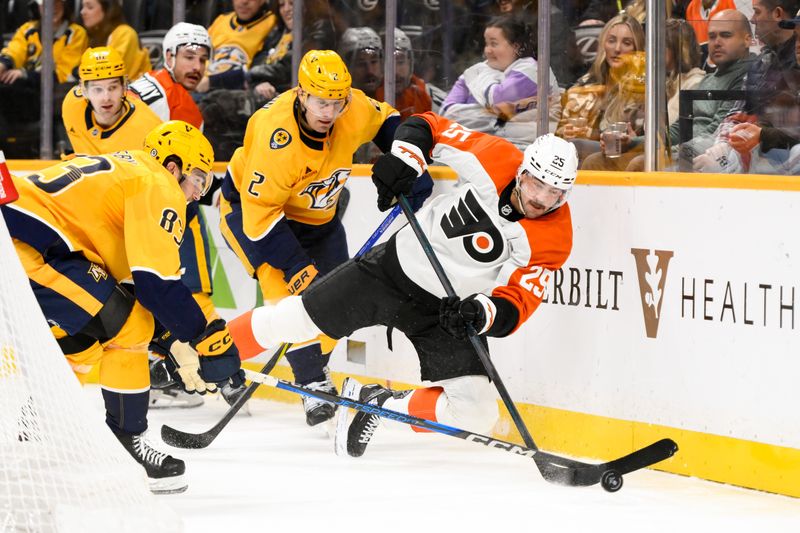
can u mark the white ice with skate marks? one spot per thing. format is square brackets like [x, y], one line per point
[270, 472]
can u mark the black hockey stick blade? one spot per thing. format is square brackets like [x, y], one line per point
[183, 439]
[564, 471]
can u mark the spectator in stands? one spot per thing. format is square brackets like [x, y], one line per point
[682, 63]
[105, 23]
[20, 69]
[700, 12]
[729, 41]
[771, 143]
[412, 94]
[565, 59]
[771, 85]
[499, 95]
[186, 50]
[683, 73]
[98, 116]
[237, 37]
[597, 99]
[362, 50]
[602, 11]
[271, 73]
[226, 111]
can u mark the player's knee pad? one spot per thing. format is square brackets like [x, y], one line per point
[125, 370]
[136, 332]
[471, 403]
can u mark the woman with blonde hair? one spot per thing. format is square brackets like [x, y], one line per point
[609, 92]
[105, 24]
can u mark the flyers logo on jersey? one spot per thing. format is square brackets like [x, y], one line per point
[324, 193]
[482, 240]
[279, 139]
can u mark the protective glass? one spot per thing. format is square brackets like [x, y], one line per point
[325, 107]
[199, 179]
[532, 188]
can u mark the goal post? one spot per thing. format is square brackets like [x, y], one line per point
[61, 468]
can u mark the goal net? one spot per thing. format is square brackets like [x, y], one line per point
[61, 468]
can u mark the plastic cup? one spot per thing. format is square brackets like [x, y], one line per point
[612, 137]
[578, 122]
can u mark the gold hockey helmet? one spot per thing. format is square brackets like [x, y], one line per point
[323, 74]
[101, 63]
[177, 138]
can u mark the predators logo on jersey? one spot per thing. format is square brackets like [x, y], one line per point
[97, 273]
[324, 193]
[279, 139]
[227, 58]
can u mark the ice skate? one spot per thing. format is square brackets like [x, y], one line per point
[318, 411]
[164, 472]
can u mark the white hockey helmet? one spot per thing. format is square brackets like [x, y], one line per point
[403, 44]
[356, 39]
[551, 159]
[184, 34]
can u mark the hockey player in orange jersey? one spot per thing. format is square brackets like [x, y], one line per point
[499, 234]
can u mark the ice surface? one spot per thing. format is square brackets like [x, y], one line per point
[271, 472]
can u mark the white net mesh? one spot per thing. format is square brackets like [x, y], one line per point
[61, 468]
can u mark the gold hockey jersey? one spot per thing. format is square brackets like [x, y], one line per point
[122, 211]
[87, 137]
[235, 43]
[282, 170]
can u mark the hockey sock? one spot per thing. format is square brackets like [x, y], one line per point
[307, 364]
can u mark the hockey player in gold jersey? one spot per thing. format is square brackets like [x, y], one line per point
[90, 229]
[282, 187]
[98, 115]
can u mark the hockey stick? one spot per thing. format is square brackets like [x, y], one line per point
[182, 439]
[554, 468]
[482, 352]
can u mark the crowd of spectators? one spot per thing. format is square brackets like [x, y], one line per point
[474, 61]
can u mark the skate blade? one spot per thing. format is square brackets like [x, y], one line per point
[168, 485]
[351, 389]
[183, 400]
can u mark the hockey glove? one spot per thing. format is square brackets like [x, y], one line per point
[422, 189]
[187, 368]
[395, 172]
[162, 343]
[302, 280]
[455, 314]
[219, 358]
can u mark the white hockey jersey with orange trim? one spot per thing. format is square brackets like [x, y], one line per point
[480, 250]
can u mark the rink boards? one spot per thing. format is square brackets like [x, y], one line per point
[677, 315]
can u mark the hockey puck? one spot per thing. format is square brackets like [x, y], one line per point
[611, 481]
